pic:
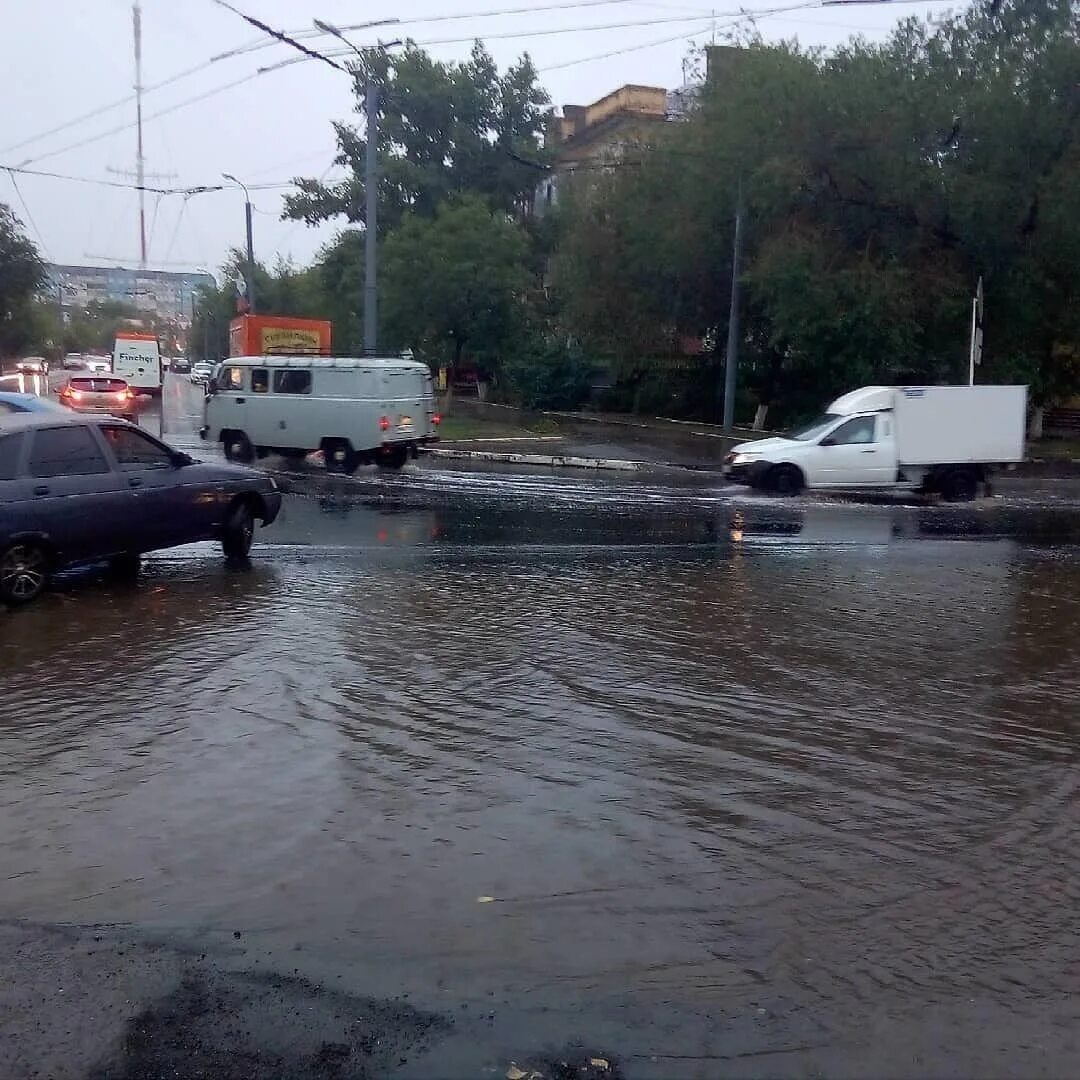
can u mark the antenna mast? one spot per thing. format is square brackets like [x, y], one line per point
[140, 163]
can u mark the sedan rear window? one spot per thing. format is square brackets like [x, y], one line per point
[66, 451]
[10, 447]
[99, 386]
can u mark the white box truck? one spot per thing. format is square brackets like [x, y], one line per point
[932, 439]
[137, 359]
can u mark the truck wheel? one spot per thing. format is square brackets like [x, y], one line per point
[239, 532]
[392, 457]
[238, 447]
[784, 480]
[959, 485]
[24, 572]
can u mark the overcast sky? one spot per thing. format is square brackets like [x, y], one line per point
[63, 59]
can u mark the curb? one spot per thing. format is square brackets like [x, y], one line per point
[560, 461]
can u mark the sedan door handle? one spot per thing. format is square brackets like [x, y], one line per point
[135, 481]
[868, 451]
[41, 489]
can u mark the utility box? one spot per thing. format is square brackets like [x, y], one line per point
[278, 335]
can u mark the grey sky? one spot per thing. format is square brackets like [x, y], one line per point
[64, 58]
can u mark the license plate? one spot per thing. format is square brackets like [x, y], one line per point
[405, 423]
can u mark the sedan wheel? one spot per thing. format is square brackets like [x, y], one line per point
[239, 533]
[24, 573]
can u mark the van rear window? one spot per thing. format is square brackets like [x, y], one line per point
[292, 381]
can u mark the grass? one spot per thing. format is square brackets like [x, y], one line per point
[465, 428]
[1054, 448]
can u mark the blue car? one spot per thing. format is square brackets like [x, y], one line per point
[81, 489]
[27, 403]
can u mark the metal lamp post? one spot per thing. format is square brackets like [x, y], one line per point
[250, 275]
[371, 192]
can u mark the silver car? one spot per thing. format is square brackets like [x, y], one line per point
[101, 394]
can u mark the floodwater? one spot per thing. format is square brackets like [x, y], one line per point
[712, 785]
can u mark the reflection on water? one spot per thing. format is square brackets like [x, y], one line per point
[821, 768]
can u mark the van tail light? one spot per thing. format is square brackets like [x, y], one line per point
[436, 419]
[384, 423]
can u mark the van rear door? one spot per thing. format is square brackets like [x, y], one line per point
[405, 405]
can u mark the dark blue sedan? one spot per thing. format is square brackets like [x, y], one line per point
[79, 489]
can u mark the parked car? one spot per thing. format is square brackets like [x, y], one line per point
[99, 364]
[100, 394]
[77, 490]
[356, 410]
[27, 403]
[74, 361]
[32, 365]
[201, 372]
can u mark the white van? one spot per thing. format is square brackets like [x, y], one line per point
[356, 410]
[137, 360]
[940, 439]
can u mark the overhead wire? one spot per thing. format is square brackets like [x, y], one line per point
[29, 216]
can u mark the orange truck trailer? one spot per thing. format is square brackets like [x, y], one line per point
[270, 335]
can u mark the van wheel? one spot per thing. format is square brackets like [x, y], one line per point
[785, 480]
[340, 456]
[24, 572]
[959, 485]
[392, 457]
[239, 532]
[238, 447]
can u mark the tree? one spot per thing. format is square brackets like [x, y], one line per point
[445, 129]
[22, 273]
[454, 283]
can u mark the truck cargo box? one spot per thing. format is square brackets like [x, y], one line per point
[938, 425]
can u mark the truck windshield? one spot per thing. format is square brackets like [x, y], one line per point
[815, 428]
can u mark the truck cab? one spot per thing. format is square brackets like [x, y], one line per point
[941, 439]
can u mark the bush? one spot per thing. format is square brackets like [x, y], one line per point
[548, 374]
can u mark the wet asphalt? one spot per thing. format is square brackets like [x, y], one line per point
[485, 772]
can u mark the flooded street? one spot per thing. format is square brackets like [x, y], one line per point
[705, 784]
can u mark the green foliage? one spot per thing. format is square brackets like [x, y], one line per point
[879, 183]
[21, 274]
[545, 371]
[445, 129]
[454, 281]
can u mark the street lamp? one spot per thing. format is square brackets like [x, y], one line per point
[250, 243]
[371, 208]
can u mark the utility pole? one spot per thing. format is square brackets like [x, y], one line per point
[139, 175]
[731, 366]
[371, 190]
[250, 272]
[371, 221]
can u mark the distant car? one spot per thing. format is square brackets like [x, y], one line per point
[27, 403]
[99, 394]
[74, 361]
[180, 365]
[76, 490]
[201, 372]
[98, 364]
[32, 365]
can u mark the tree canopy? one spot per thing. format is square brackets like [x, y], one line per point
[21, 274]
[445, 129]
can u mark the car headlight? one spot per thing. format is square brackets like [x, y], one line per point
[739, 459]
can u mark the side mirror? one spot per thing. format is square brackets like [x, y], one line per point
[828, 441]
[180, 460]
